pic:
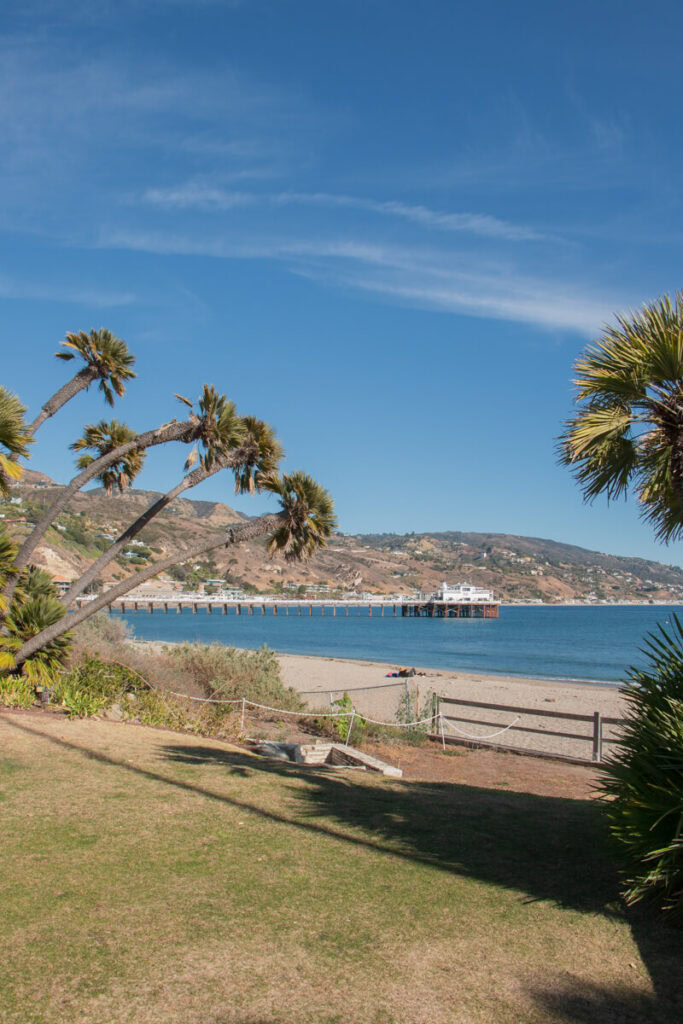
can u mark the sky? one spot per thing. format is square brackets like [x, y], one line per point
[387, 227]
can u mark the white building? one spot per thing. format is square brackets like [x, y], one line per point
[462, 593]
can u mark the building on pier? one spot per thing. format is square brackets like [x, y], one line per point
[461, 593]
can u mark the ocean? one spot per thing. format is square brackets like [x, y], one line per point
[592, 644]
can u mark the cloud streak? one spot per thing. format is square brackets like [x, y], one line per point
[456, 283]
[33, 292]
[206, 197]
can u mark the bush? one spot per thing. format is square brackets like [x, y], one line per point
[101, 630]
[16, 692]
[642, 783]
[231, 674]
[77, 701]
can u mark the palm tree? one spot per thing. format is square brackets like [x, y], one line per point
[14, 439]
[106, 358]
[104, 438]
[247, 446]
[308, 516]
[184, 431]
[267, 455]
[628, 430]
[35, 608]
[302, 526]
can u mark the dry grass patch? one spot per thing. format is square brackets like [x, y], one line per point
[153, 877]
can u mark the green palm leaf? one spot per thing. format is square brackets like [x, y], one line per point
[628, 431]
[101, 439]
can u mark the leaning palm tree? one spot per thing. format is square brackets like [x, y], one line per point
[106, 359]
[307, 514]
[303, 524]
[103, 438]
[628, 430]
[246, 445]
[15, 437]
[184, 431]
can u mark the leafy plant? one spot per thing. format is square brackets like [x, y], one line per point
[77, 701]
[16, 692]
[231, 674]
[642, 783]
[342, 723]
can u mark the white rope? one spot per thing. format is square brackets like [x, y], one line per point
[488, 736]
[301, 714]
[340, 714]
[202, 700]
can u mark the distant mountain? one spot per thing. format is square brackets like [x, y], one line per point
[516, 568]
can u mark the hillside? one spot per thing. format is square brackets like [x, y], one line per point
[516, 568]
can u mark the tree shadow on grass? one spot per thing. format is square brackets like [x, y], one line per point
[577, 1001]
[544, 848]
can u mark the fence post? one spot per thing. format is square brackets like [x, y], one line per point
[443, 738]
[243, 711]
[597, 736]
[348, 735]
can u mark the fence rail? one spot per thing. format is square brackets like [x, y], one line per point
[596, 719]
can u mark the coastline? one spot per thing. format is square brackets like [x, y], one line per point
[321, 679]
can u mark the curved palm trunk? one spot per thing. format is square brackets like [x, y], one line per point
[183, 431]
[197, 476]
[79, 382]
[235, 535]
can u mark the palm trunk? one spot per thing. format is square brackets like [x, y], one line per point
[183, 431]
[197, 476]
[671, 419]
[79, 382]
[235, 535]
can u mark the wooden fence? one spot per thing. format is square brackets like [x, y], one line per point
[595, 735]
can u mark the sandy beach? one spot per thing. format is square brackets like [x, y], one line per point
[376, 695]
[321, 680]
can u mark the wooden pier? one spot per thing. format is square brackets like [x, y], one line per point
[448, 610]
[379, 608]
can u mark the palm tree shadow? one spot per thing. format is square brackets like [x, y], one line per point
[577, 1001]
[545, 848]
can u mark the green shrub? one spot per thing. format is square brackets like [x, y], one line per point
[16, 692]
[77, 701]
[642, 782]
[229, 673]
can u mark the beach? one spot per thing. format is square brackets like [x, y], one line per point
[376, 695]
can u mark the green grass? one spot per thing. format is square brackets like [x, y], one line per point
[153, 877]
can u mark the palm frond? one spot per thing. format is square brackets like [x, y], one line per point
[103, 438]
[628, 428]
[309, 512]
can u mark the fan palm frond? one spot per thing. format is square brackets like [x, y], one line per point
[14, 439]
[103, 438]
[309, 512]
[264, 460]
[106, 354]
[628, 431]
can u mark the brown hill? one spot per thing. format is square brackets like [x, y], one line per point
[516, 568]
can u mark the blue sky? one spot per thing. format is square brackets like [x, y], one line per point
[386, 227]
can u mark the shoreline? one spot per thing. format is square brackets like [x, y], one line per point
[321, 680]
[612, 685]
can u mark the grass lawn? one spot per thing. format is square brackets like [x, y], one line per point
[149, 877]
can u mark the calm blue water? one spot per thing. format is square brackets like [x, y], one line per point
[557, 643]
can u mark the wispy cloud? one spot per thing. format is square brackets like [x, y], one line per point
[11, 288]
[72, 131]
[457, 283]
[206, 197]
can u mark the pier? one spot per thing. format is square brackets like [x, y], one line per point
[273, 606]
